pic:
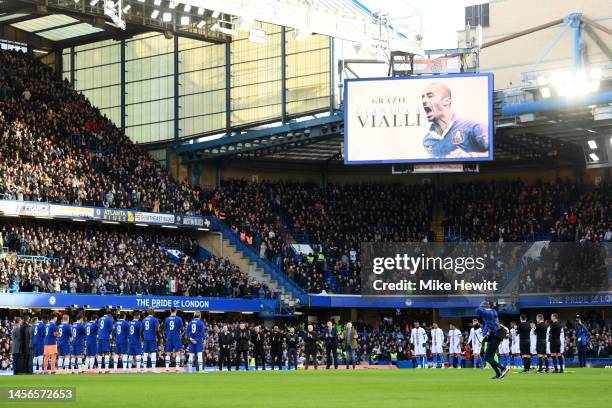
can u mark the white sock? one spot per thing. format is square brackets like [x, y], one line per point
[71, 362]
[79, 362]
[189, 361]
[124, 361]
[100, 359]
[115, 361]
[200, 361]
[138, 358]
[66, 363]
[40, 363]
[144, 360]
[60, 362]
[167, 362]
[107, 361]
[153, 360]
[35, 365]
[177, 359]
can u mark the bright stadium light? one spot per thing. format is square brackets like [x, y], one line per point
[244, 23]
[215, 14]
[173, 4]
[592, 144]
[166, 17]
[571, 83]
[93, 2]
[594, 157]
[157, 2]
[200, 11]
[155, 14]
[201, 24]
[187, 8]
[185, 20]
[127, 8]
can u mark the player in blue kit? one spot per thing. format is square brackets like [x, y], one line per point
[450, 136]
[64, 335]
[105, 328]
[121, 343]
[135, 342]
[78, 343]
[38, 338]
[50, 342]
[150, 327]
[173, 326]
[91, 345]
[196, 332]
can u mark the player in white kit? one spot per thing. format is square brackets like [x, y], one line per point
[533, 340]
[418, 338]
[561, 356]
[437, 341]
[515, 347]
[454, 345]
[475, 340]
[504, 349]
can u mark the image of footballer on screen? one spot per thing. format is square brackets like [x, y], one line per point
[450, 136]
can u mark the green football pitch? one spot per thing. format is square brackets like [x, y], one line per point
[349, 389]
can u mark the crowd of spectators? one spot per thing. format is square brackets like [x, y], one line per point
[333, 221]
[87, 258]
[517, 211]
[47, 131]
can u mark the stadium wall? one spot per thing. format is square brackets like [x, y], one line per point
[509, 60]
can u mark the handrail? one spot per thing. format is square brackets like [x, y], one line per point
[270, 268]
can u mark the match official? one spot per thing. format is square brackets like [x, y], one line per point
[524, 333]
[554, 338]
[540, 332]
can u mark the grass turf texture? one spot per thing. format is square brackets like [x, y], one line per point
[361, 388]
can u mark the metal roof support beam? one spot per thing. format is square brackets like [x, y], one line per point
[597, 40]
[522, 33]
[596, 25]
[176, 89]
[11, 33]
[283, 57]
[228, 90]
[42, 30]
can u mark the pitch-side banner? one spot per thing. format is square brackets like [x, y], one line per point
[442, 118]
[66, 300]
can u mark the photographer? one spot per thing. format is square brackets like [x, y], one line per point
[582, 339]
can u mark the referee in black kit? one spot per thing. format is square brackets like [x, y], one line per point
[524, 332]
[540, 332]
[554, 337]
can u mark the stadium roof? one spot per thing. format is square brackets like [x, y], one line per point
[57, 24]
